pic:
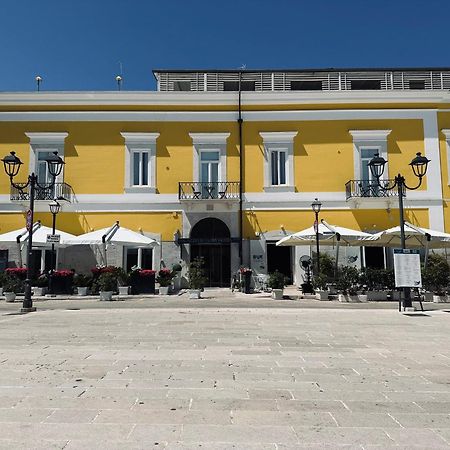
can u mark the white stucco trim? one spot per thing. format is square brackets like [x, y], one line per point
[46, 141]
[369, 139]
[281, 141]
[446, 133]
[140, 142]
[209, 141]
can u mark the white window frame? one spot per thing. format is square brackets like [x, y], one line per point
[140, 142]
[46, 142]
[279, 141]
[209, 142]
[371, 140]
[446, 133]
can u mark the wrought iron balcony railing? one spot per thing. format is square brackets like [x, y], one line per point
[221, 190]
[369, 189]
[60, 191]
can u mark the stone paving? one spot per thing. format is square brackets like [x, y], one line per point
[223, 378]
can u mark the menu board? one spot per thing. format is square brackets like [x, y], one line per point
[407, 268]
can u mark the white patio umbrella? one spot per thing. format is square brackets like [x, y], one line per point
[415, 237]
[40, 233]
[328, 235]
[115, 235]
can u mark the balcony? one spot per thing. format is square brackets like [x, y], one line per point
[368, 189]
[60, 191]
[221, 190]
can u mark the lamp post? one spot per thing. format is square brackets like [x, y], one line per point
[419, 166]
[55, 207]
[11, 164]
[316, 205]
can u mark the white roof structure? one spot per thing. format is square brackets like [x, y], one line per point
[416, 237]
[328, 235]
[39, 236]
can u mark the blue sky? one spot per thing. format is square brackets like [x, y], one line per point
[78, 44]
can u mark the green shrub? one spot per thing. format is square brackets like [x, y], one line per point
[377, 279]
[80, 280]
[348, 281]
[276, 280]
[436, 276]
[12, 283]
[107, 282]
[196, 274]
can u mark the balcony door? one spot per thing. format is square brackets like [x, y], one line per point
[369, 187]
[43, 175]
[209, 172]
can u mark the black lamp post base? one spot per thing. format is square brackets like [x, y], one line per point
[28, 310]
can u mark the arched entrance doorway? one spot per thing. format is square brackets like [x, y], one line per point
[210, 239]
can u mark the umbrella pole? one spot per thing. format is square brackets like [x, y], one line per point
[426, 251]
[337, 257]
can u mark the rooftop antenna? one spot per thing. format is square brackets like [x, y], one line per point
[38, 82]
[119, 77]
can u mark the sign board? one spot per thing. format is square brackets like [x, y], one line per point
[53, 238]
[29, 222]
[407, 268]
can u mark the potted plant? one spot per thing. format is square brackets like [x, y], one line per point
[11, 286]
[123, 281]
[197, 279]
[19, 272]
[107, 285]
[246, 275]
[436, 277]
[164, 278]
[348, 284]
[62, 281]
[142, 281]
[82, 283]
[276, 283]
[320, 286]
[40, 285]
[377, 282]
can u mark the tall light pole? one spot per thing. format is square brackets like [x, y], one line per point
[11, 164]
[55, 207]
[316, 205]
[419, 165]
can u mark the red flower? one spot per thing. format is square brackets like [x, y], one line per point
[62, 273]
[19, 272]
[147, 272]
[245, 270]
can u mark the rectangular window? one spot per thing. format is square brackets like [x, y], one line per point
[306, 85]
[234, 85]
[181, 85]
[362, 85]
[417, 84]
[140, 168]
[278, 167]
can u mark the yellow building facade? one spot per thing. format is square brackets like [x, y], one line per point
[223, 164]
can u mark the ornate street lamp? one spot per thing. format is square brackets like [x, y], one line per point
[55, 207]
[11, 164]
[316, 205]
[419, 167]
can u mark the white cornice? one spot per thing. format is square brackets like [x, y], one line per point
[47, 138]
[369, 135]
[209, 138]
[446, 133]
[140, 138]
[212, 116]
[154, 98]
[277, 137]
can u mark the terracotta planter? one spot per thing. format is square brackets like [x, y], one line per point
[10, 296]
[277, 294]
[164, 290]
[194, 293]
[106, 296]
[321, 295]
[82, 290]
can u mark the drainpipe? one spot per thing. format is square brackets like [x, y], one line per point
[240, 172]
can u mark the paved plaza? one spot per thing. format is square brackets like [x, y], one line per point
[220, 377]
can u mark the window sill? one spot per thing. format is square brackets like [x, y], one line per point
[140, 190]
[281, 188]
